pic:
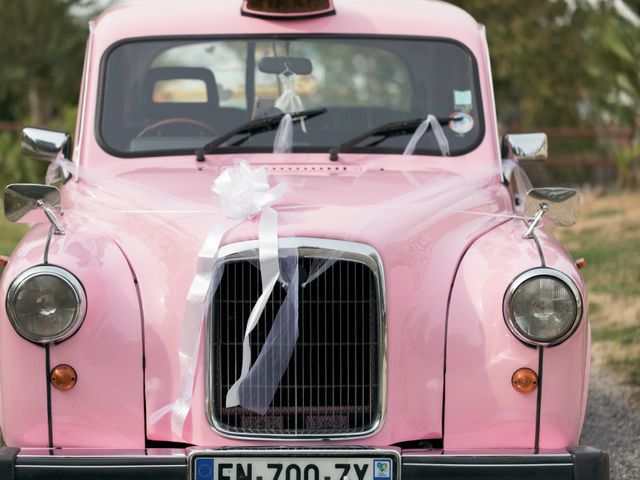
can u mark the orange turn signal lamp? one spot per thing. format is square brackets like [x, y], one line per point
[63, 377]
[524, 380]
[285, 9]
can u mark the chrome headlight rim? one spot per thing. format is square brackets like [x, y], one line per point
[534, 273]
[62, 274]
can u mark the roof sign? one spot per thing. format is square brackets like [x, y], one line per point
[284, 9]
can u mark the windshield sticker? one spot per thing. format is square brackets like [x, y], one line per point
[463, 100]
[461, 123]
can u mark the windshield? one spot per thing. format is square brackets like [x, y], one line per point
[164, 97]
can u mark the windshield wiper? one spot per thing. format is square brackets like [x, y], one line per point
[253, 127]
[388, 130]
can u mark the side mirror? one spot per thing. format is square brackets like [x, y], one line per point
[560, 205]
[43, 144]
[31, 203]
[525, 147]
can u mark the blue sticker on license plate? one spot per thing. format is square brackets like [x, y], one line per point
[204, 468]
[381, 469]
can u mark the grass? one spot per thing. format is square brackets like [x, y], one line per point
[607, 212]
[608, 238]
[629, 368]
[625, 335]
[10, 235]
[613, 257]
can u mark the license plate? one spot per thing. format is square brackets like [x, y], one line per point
[280, 467]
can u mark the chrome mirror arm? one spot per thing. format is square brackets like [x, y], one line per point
[536, 220]
[57, 228]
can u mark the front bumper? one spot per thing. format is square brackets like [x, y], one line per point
[579, 463]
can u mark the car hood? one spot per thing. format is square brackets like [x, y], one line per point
[420, 223]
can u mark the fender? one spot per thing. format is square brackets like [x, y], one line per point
[106, 407]
[482, 410]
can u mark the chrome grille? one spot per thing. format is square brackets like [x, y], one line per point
[332, 386]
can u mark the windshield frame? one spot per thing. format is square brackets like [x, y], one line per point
[100, 101]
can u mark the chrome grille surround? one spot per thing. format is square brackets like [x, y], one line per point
[313, 247]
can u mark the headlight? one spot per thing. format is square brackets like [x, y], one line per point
[543, 307]
[46, 304]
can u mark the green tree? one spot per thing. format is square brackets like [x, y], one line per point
[540, 55]
[41, 56]
[619, 63]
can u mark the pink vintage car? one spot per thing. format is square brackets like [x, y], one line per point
[287, 244]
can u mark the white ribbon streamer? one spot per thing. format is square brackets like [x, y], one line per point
[441, 138]
[519, 181]
[202, 287]
[290, 101]
[257, 390]
[270, 272]
[243, 193]
[284, 136]
[57, 170]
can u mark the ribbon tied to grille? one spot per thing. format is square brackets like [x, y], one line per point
[244, 193]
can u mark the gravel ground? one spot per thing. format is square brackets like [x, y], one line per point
[613, 422]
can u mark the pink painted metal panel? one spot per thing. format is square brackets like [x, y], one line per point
[419, 268]
[419, 263]
[106, 407]
[491, 116]
[22, 364]
[482, 410]
[566, 366]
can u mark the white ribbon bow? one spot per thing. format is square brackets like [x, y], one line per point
[244, 192]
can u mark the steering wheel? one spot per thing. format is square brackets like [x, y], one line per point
[177, 121]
